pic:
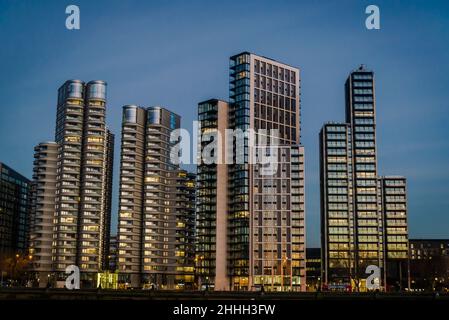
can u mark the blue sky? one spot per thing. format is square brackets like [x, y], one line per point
[175, 53]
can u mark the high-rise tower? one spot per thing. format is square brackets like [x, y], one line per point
[212, 202]
[264, 213]
[393, 203]
[156, 209]
[355, 222]
[83, 181]
[337, 214]
[360, 115]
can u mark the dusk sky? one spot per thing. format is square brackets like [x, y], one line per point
[176, 54]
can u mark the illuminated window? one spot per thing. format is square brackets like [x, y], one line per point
[95, 139]
[152, 179]
[72, 139]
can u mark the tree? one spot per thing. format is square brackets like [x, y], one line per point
[14, 265]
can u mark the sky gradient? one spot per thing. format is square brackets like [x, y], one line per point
[175, 54]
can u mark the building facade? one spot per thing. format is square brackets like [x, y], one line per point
[211, 202]
[43, 208]
[265, 219]
[313, 265]
[83, 183]
[337, 212]
[393, 206]
[112, 257]
[429, 264]
[363, 216]
[360, 115]
[156, 204]
[14, 212]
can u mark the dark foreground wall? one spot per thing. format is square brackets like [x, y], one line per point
[64, 294]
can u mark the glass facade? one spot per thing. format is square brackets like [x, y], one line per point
[266, 221]
[154, 116]
[250, 223]
[337, 214]
[368, 222]
[206, 202]
[14, 212]
[393, 196]
[363, 222]
[239, 222]
[130, 114]
[97, 90]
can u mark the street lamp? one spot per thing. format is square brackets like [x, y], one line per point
[15, 265]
